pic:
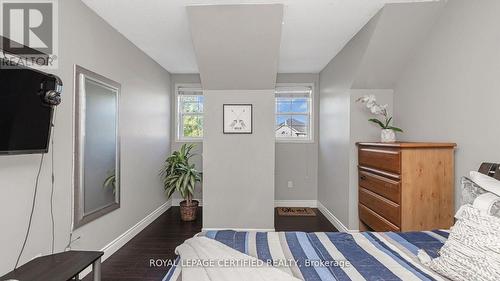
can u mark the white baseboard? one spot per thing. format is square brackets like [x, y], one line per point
[277, 203]
[333, 219]
[121, 240]
[240, 229]
[177, 201]
[296, 203]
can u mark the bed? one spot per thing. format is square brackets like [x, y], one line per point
[337, 255]
[323, 256]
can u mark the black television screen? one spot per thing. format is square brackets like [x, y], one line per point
[25, 121]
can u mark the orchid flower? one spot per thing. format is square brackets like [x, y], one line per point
[378, 109]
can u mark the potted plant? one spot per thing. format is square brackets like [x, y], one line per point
[179, 175]
[388, 132]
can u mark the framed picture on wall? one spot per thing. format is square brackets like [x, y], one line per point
[237, 119]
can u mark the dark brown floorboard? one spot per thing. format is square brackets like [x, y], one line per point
[159, 239]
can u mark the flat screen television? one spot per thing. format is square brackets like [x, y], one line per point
[25, 120]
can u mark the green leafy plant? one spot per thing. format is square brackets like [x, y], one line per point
[193, 126]
[110, 181]
[380, 110]
[386, 124]
[179, 175]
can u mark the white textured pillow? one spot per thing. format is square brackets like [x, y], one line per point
[487, 204]
[486, 182]
[472, 251]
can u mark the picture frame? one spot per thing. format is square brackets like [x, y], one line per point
[237, 118]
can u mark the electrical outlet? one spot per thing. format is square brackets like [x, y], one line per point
[290, 184]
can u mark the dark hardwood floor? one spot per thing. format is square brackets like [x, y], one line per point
[159, 239]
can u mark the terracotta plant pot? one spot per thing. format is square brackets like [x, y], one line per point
[188, 212]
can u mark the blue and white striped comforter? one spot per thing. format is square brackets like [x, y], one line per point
[336, 255]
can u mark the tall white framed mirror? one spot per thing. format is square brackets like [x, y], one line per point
[97, 146]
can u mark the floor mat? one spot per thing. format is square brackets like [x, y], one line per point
[296, 212]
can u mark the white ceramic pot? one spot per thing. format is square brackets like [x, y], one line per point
[387, 135]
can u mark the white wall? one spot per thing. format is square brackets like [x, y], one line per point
[238, 170]
[297, 162]
[85, 39]
[450, 88]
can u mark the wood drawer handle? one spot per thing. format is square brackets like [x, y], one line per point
[363, 177]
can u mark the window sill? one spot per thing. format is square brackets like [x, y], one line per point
[188, 140]
[295, 141]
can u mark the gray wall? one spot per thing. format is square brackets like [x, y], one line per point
[175, 145]
[400, 29]
[239, 169]
[344, 122]
[370, 63]
[334, 124]
[87, 40]
[450, 89]
[362, 131]
[333, 159]
[297, 162]
[248, 57]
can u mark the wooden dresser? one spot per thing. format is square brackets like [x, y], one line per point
[406, 186]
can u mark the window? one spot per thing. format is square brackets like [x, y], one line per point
[294, 118]
[293, 113]
[189, 113]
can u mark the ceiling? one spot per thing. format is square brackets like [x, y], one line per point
[313, 31]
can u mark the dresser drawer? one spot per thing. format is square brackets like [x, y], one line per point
[375, 221]
[386, 159]
[383, 186]
[385, 208]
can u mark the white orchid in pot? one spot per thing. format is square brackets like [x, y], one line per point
[388, 131]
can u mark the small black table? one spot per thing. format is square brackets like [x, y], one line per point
[57, 267]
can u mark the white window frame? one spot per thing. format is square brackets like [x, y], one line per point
[310, 139]
[196, 86]
[179, 137]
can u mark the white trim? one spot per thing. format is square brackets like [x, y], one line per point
[121, 240]
[295, 141]
[177, 86]
[277, 203]
[239, 229]
[334, 220]
[177, 201]
[296, 203]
